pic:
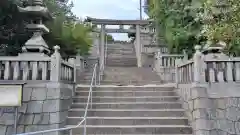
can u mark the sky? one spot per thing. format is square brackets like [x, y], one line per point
[108, 9]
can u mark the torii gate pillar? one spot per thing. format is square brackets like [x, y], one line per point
[102, 46]
[138, 46]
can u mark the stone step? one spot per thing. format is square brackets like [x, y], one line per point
[85, 82]
[124, 57]
[120, 46]
[121, 65]
[126, 93]
[128, 88]
[131, 105]
[129, 120]
[120, 83]
[121, 60]
[128, 62]
[120, 52]
[133, 129]
[128, 112]
[105, 99]
[127, 82]
[87, 77]
[133, 134]
[116, 63]
[121, 56]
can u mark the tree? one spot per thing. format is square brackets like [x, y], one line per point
[185, 23]
[109, 38]
[66, 30]
[12, 32]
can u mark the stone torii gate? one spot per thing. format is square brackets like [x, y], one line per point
[121, 23]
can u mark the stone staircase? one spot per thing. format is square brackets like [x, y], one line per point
[86, 76]
[118, 108]
[121, 55]
[130, 110]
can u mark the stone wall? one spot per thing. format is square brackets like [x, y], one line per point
[45, 106]
[212, 110]
[184, 91]
[197, 104]
[225, 116]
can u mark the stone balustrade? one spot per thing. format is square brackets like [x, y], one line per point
[212, 71]
[168, 60]
[43, 68]
[67, 71]
[222, 71]
[13, 68]
[208, 86]
[185, 73]
[164, 65]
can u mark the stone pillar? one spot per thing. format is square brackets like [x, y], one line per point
[79, 64]
[105, 49]
[73, 62]
[177, 62]
[102, 46]
[138, 46]
[185, 55]
[56, 65]
[198, 65]
[202, 104]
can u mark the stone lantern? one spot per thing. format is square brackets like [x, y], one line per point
[215, 51]
[37, 13]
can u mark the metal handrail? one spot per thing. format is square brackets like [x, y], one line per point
[93, 82]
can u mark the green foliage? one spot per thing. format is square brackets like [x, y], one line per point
[66, 30]
[109, 38]
[185, 23]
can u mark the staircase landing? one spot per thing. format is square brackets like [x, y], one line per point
[130, 76]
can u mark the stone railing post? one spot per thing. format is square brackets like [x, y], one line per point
[56, 65]
[185, 55]
[202, 104]
[198, 65]
[177, 62]
[78, 61]
[73, 62]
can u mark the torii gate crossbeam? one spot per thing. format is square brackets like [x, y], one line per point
[104, 22]
[117, 22]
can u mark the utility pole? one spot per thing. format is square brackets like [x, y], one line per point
[140, 7]
[157, 22]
